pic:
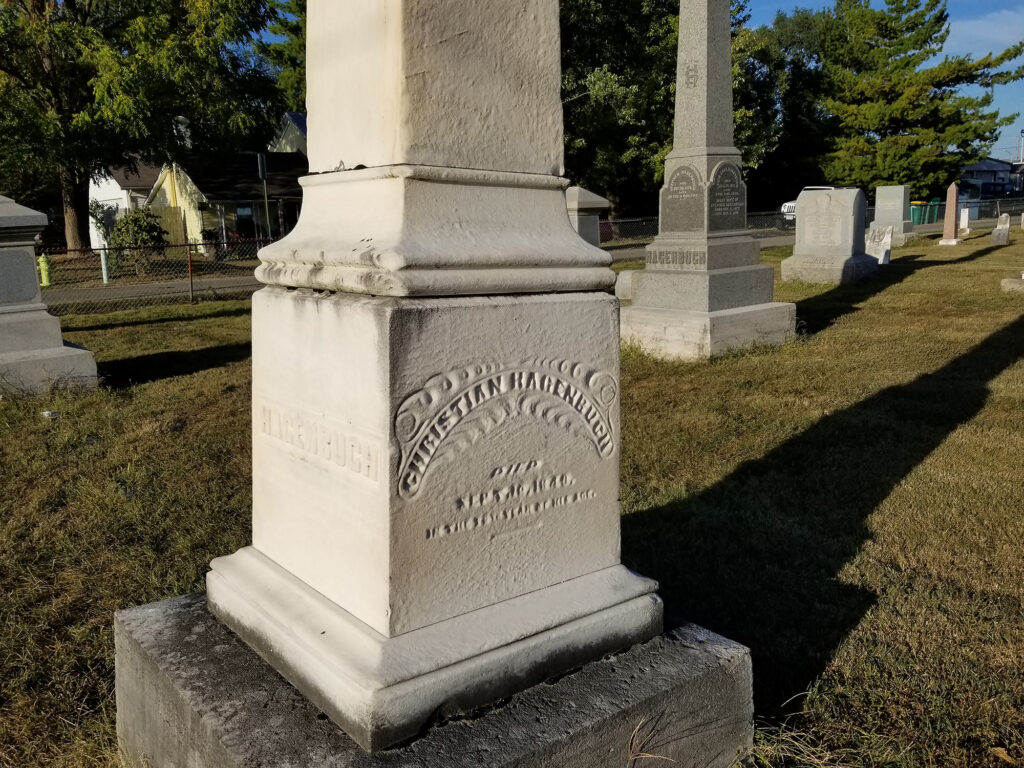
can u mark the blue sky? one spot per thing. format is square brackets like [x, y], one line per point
[977, 27]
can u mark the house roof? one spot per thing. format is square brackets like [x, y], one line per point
[989, 164]
[236, 177]
[298, 119]
[141, 179]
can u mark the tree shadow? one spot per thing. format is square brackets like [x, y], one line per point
[822, 311]
[756, 556]
[144, 369]
[160, 320]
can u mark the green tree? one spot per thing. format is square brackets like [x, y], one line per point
[901, 115]
[287, 52]
[133, 240]
[101, 84]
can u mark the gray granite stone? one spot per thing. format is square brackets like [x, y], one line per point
[830, 246]
[1001, 234]
[879, 244]
[892, 209]
[189, 693]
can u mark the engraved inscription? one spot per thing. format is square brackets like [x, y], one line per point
[677, 259]
[727, 199]
[456, 409]
[825, 229]
[312, 437]
[691, 75]
[682, 202]
[522, 500]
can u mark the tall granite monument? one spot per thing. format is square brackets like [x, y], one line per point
[33, 355]
[435, 436]
[830, 243]
[892, 209]
[704, 290]
[949, 228]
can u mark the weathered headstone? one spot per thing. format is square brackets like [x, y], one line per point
[830, 245]
[33, 355]
[965, 222]
[585, 209]
[892, 209]
[879, 244]
[435, 414]
[1001, 234]
[704, 290]
[949, 228]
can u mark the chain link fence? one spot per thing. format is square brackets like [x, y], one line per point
[110, 279]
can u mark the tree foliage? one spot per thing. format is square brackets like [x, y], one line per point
[902, 115]
[94, 84]
[287, 52]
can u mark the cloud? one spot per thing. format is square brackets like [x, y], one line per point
[991, 33]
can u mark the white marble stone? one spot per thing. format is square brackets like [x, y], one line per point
[892, 209]
[585, 209]
[879, 244]
[1001, 234]
[33, 355]
[435, 384]
[965, 222]
[830, 245]
[704, 261]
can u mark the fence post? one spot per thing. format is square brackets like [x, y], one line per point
[104, 267]
[191, 295]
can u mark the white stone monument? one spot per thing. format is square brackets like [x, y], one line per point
[704, 290]
[1001, 234]
[892, 209]
[830, 245]
[879, 244]
[585, 209]
[965, 222]
[435, 384]
[33, 356]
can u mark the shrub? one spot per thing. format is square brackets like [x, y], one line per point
[134, 238]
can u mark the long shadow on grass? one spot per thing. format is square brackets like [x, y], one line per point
[121, 374]
[241, 312]
[819, 312]
[756, 556]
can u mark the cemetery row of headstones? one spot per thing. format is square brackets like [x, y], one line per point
[436, 521]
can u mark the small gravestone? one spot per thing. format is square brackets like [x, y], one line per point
[704, 290]
[892, 209]
[879, 244]
[830, 244]
[33, 356]
[965, 222]
[1001, 234]
[949, 225]
[585, 209]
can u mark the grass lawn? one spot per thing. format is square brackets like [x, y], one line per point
[851, 506]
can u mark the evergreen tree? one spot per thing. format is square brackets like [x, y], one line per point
[287, 52]
[902, 117]
[100, 84]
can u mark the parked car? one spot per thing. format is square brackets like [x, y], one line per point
[789, 209]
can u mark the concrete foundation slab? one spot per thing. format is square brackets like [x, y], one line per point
[681, 334]
[189, 693]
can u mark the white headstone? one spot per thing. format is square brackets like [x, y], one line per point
[892, 209]
[830, 244]
[585, 209]
[879, 244]
[704, 290]
[965, 221]
[1001, 234]
[33, 356]
[435, 383]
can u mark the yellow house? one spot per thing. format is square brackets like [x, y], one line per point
[223, 198]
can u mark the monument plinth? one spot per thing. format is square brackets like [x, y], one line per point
[435, 384]
[704, 290]
[33, 356]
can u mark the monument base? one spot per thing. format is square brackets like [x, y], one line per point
[384, 690]
[677, 333]
[1013, 285]
[829, 271]
[950, 242]
[190, 693]
[39, 371]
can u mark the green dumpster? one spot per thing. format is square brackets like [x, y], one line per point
[933, 210]
[917, 211]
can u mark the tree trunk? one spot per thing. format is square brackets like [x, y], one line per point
[74, 187]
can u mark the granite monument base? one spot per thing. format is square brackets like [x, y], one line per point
[190, 693]
[34, 357]
[954, 241]
[829, 271]
[674, 333]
